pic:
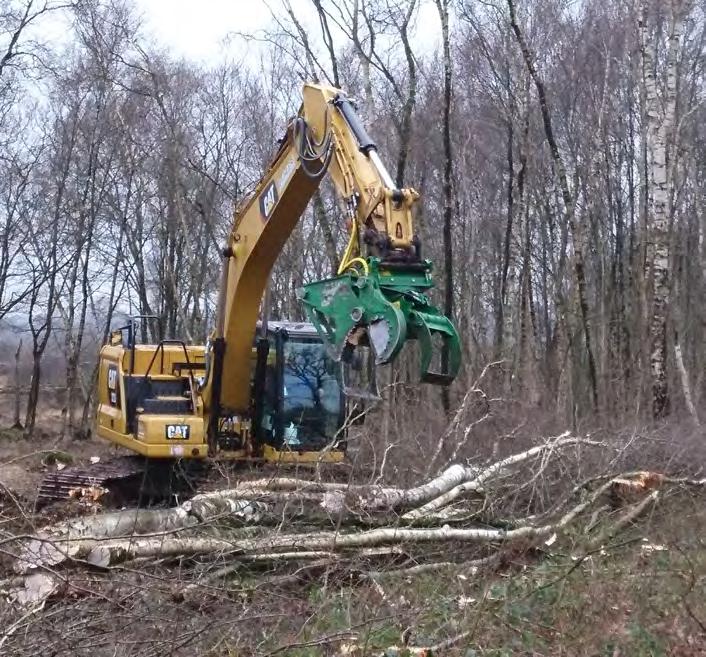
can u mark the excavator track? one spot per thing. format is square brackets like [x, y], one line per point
[123, 480]
[116, 477]
[134, 480]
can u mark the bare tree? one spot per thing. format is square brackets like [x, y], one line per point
[577, 230]
[661, 120]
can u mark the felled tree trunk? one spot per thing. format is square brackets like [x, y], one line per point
[291, 546]
[254, 503]
[55, 544]
[111, 553]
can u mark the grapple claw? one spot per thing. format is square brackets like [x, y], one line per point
[349, 310]
[383, 309]
[423, 326]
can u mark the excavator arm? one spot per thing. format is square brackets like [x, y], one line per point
[377, 296]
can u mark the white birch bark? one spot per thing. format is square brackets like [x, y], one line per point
[290, 546]
[476, 483]
[660, 116]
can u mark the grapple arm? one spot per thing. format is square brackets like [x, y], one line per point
[382, 309]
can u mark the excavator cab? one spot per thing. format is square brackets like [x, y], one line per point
[149, 399]
[299, 402]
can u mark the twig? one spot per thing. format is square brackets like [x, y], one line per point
[449, 643]
[13, 628]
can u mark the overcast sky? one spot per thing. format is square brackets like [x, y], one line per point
[196, 29]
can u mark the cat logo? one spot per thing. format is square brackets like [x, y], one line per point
[268, 200]
[113, 389]
[177, 432]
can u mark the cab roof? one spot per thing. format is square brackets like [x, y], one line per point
[295, 329]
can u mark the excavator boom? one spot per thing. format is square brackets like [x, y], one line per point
[379, 295]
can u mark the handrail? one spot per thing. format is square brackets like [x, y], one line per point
[160, 347]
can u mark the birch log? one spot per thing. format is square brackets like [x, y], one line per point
[476, 483]
[113, 552]
[235, 547]
[54, 544]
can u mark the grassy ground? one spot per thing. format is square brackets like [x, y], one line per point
[643, 595]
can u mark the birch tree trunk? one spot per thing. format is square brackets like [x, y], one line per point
[661, 110]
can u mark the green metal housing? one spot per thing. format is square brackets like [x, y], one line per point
[384, 308]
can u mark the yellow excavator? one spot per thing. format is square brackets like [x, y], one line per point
[277, 391]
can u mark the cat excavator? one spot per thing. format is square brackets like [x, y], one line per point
[278, 391]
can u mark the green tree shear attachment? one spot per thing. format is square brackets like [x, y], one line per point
[383, 308]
